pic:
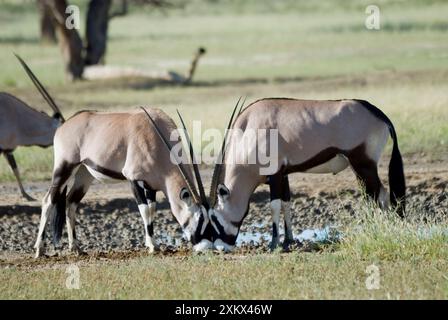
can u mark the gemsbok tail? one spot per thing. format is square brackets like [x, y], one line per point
[58, 218]
[397, 183]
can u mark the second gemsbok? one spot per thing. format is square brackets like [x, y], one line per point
[314, 137]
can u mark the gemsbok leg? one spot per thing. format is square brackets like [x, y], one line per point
[54, 200]
[366, 171]
[146, 202]
[280, 198]
[286, 206]
[82, 181]
[12, 163]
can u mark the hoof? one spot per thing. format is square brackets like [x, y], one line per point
[287, 243]
[222, 246]
[204, 245]
[153, 248]
[28, 197]
[274, 245]
[77, 251]
[40, 252]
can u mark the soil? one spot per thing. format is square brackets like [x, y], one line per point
[109, 226]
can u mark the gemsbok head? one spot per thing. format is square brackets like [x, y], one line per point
[135, 146]
[308, 136]
[21, 125]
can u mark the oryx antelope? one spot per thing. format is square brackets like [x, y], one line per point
[314, 137]
[21, 125]
[122, 146]
[131, 146]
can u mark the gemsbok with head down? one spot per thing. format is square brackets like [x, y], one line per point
[314, 137]
[133, 146]
[21, 125]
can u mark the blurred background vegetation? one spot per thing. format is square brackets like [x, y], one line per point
[255, 48]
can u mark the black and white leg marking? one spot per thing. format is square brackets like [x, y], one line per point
[50, 201]
[275, 186]
[83, 180]
[12, 163]
[146, 201]
[280, 201]
[286, 207]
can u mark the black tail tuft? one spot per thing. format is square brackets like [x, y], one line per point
[58, 219]
[397, 182]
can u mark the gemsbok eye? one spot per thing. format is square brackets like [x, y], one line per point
[185, 196]
[223, 191]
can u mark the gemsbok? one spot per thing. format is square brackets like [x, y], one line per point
[21, 125]
[313, 137]
[131, 146]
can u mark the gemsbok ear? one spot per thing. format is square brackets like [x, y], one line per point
[223, 192]
[185, 196]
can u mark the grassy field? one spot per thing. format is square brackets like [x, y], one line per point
[380, 257]
[255, 49]
[302, 49]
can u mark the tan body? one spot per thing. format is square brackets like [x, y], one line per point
[120, 146]
[314, 137]
[21, 125]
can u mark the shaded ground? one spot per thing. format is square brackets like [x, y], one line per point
[109, 226]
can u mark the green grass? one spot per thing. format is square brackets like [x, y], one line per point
[410, 266]
[317, 50]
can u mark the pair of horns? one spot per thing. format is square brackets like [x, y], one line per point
[220, 160]
[201, 197]
[41, 88]
[198, 198]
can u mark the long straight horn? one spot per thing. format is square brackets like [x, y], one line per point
[181, 168]
[195, 165]
[220, 160]
[41, 88]
[241, 107]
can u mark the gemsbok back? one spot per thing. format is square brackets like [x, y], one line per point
[313, 137]
[131, 146]
[21, 125]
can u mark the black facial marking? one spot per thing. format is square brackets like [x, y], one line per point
[274, 230]
[197, 234]
[107, 172]
[227, 238]
[150, 229]
[186, 223]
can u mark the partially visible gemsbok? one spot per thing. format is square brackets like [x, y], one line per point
[313, 136]
[21, 125]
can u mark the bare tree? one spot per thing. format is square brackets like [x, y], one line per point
[69, 40]
[46, 23]
[76, 56]
[96, 32]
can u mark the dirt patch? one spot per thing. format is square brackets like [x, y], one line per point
[109, 226]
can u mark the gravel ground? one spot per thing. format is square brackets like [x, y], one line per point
[108, 219]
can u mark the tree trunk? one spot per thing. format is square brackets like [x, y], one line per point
[47, 30]
[96, 32]
[69, 40]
